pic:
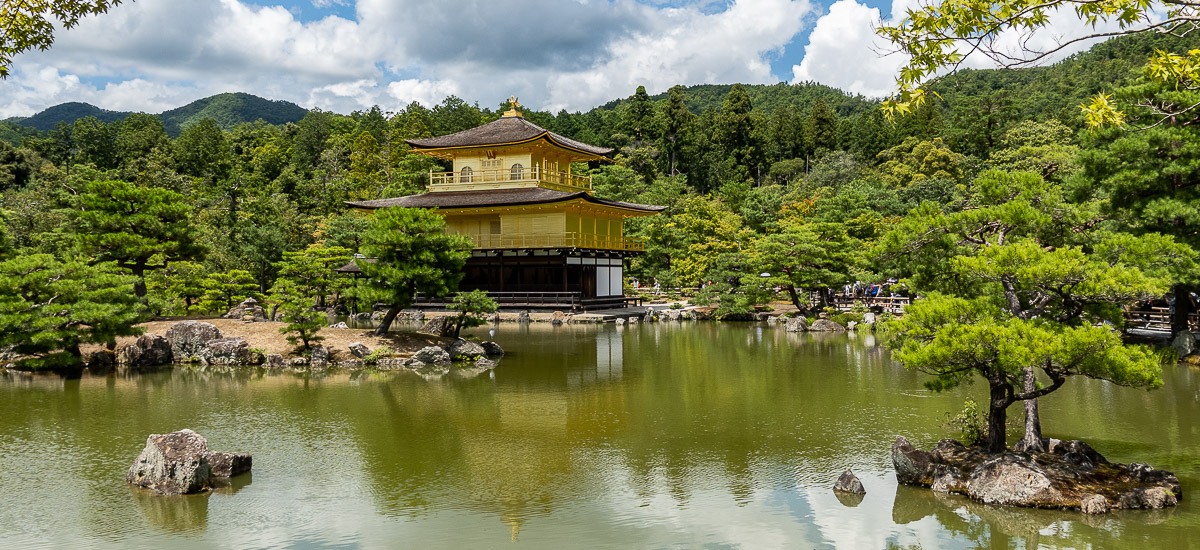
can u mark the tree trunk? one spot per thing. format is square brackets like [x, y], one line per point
[1183, 306]
[386, 322]
[1032, 441]
[795, 298]
[997, 418]
[139, 286]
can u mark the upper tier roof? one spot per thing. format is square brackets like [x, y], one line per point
[496, 197]
[504, 131]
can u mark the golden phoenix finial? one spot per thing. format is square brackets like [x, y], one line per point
[512, 100]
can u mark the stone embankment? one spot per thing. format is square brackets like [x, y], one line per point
[1070, 475]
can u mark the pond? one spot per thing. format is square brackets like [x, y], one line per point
[716, 435]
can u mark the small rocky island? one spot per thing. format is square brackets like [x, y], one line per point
[1070, 475]
[180, 463]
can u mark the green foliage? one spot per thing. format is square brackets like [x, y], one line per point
[310, 271]
[222, 291]
[914, 160]
[968, 423]
[802, 257]
[302, 320]
[26, 25]
[134, 226]
[1012, 288]
[412, 253]
[176, 288]
[48, 308]
[471, 307]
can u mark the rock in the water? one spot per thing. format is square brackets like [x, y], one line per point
[274, 361]
[229, 464]
[189, 337]
[437, 326]
[229, 351]
[633, 320]
[339, 325]
[1013, 479]
[825, 325]
[1184, 344]
[359, 350]
[912, 465]
[796, 324]
[101, 362]
[868, 318]
[619, 321]
[467, 349]
[173, 464]
[1094, 504]
[299, 362]
[1153, 498]
[850, 325]
[484, 362]
[492, 349]
[849, 483]
[318, 357]
[432, 354]
[523, 317]
[352, 364]
[558, 318]
[150, 350]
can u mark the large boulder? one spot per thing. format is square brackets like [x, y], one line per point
[173, 464]
[466, 349]
[101, 362]
[274, 361]
[796, 324]
[189, 337]
[523, 317]
[913, 466]
[492, 349]
[180, 463]
[825, 325]
[229, 351]
[558, 318]
[437, 326]
[432, 354]
[150, 350]
[359, 350]
[318, 357]
[1013, 479]
[849, 483]
[229, 464]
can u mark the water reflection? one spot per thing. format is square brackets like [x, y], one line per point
[687, 434]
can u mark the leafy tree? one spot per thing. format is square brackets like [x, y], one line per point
[203, 150]
[48, 308]
[310, 271]
[638, 120]
[915, 160]
[676, 118]
[1043, 147]
[820, 129]
[805, 257]
[177, 285]
[17, 166]
[930, 36]
[412, 253]
[222, 291]
[95, 143]
[1014, 289]
[135, 227]
[138, 135]
[471, 308]
[25, 25]
[296, 306]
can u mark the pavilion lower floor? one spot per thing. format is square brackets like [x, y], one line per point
[560, 279]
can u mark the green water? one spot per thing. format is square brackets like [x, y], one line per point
[653, 436]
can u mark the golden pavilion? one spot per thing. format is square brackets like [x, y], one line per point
[541, 239]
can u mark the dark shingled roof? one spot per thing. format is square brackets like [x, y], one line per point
[509, 129]
[495, 197]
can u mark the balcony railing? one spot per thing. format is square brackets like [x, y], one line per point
[564, 240]
[531, 176]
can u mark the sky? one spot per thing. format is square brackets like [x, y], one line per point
[347, 55]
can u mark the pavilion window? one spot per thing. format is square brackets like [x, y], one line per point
[465, 175]
[517, 172]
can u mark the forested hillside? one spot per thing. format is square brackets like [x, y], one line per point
[799, 182]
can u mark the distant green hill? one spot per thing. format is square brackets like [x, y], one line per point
[767, 97]
[228, 110]
[69, 113]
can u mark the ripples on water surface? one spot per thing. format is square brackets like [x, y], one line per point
[662, 435]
